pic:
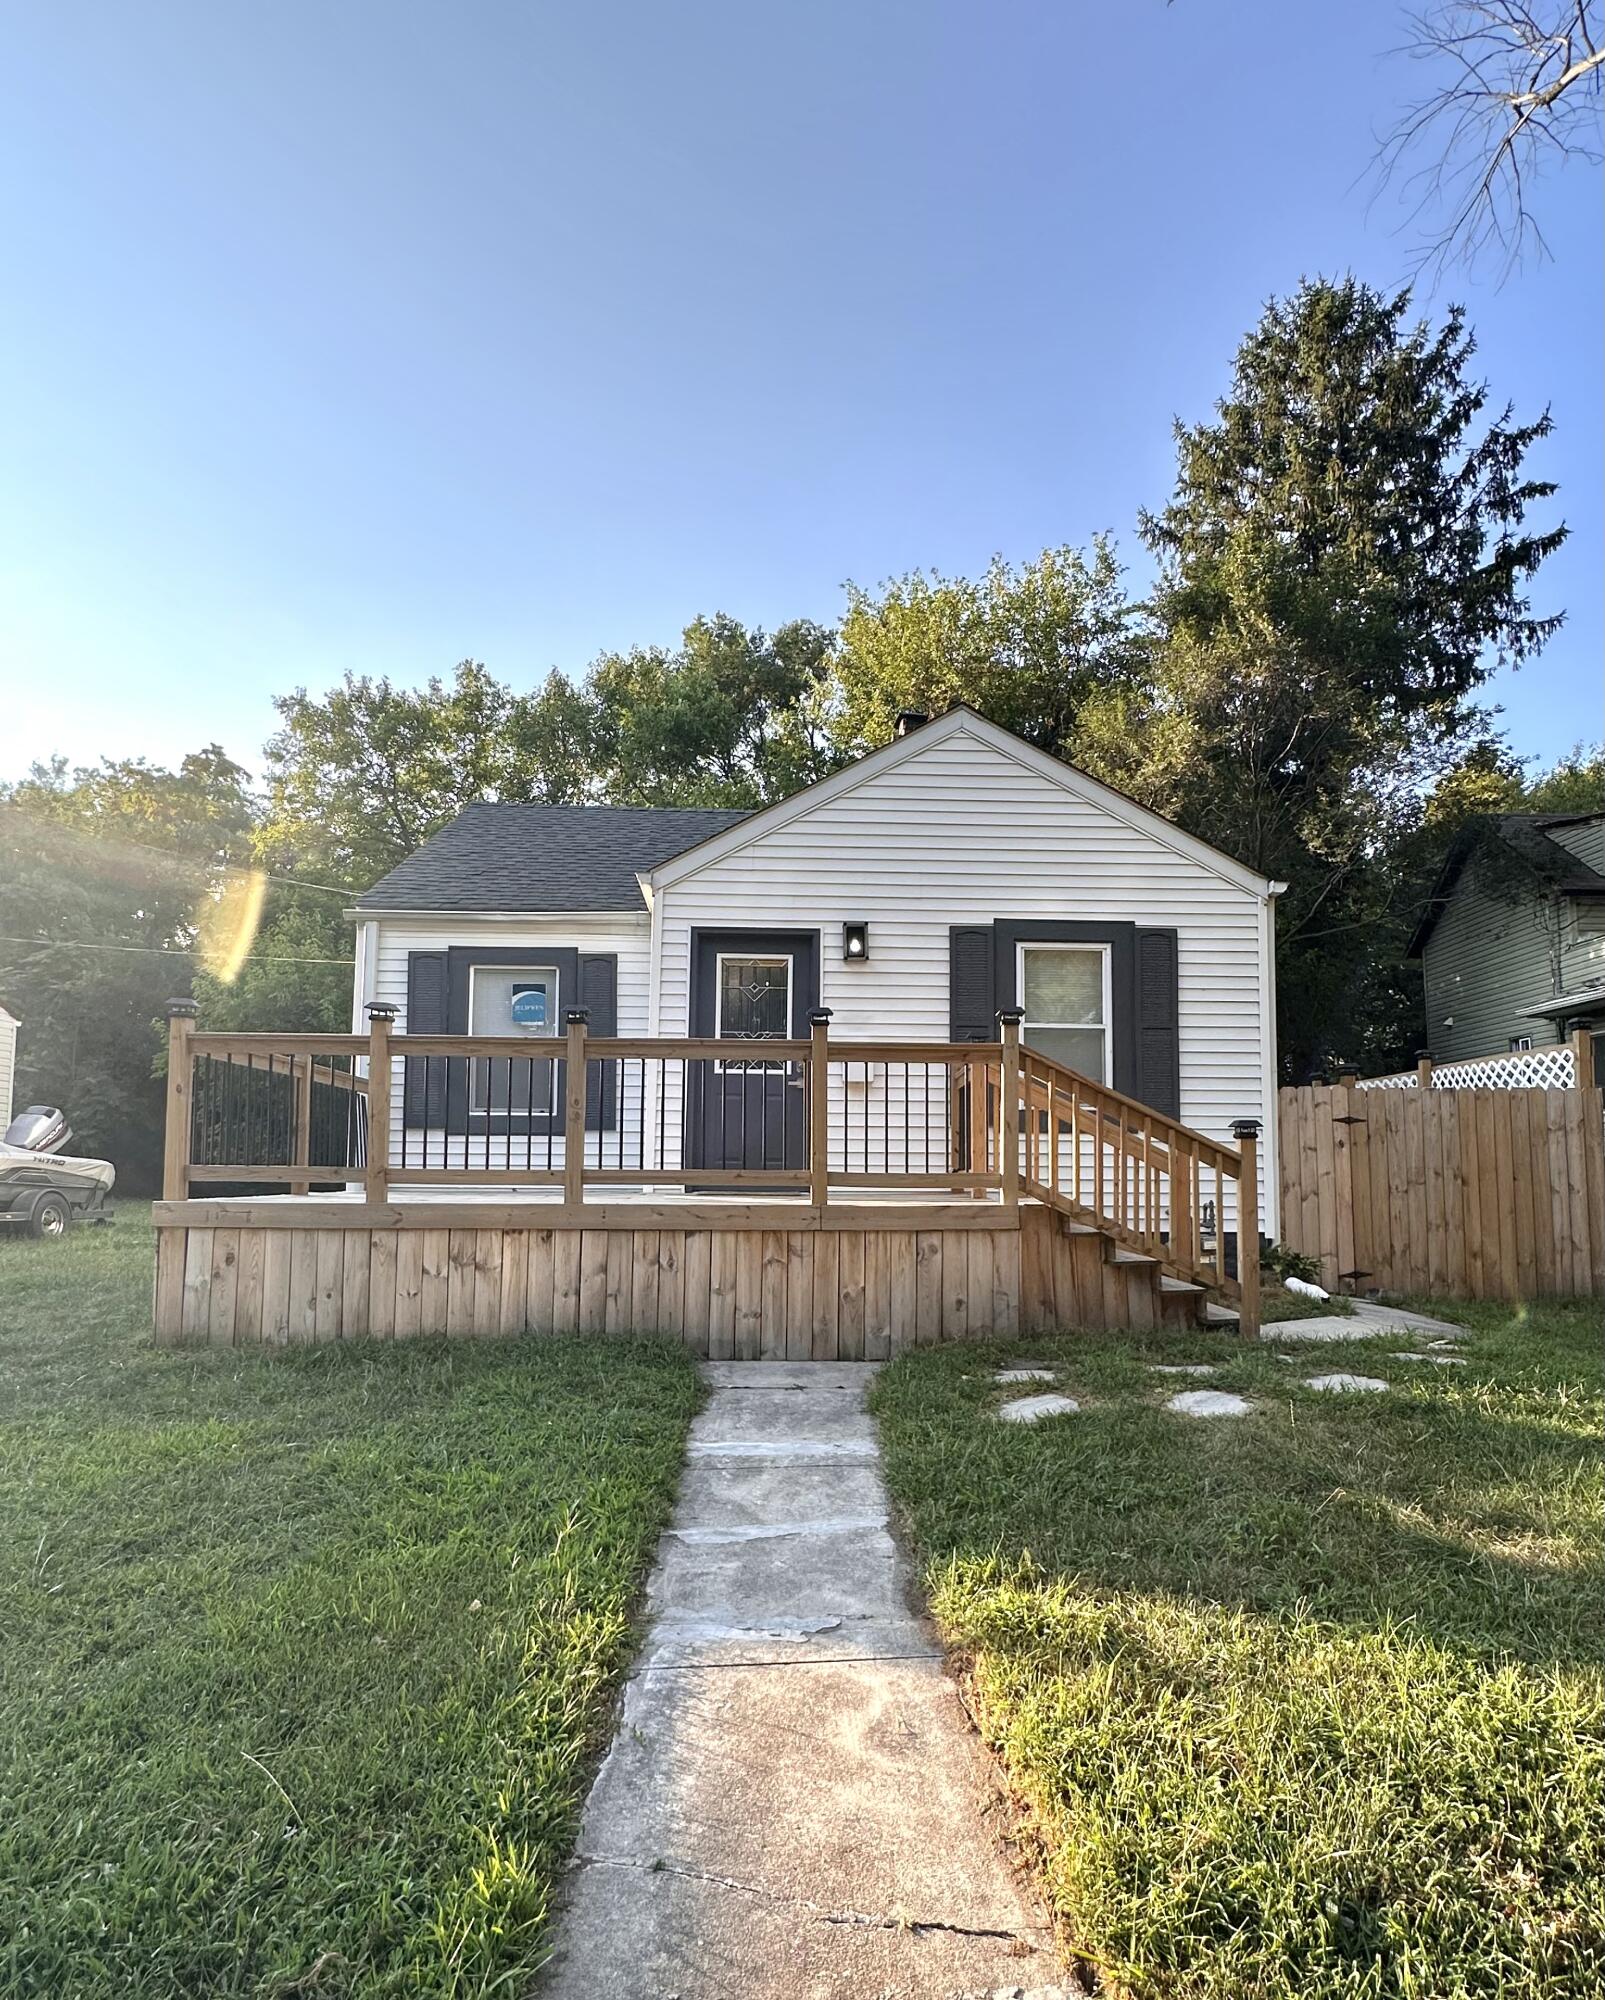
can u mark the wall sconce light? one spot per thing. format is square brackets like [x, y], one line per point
[855, 941]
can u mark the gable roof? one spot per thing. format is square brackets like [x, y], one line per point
[520, 858]
[961, 719]
[1523, 835]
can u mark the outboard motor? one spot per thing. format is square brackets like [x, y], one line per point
[42, 1189]
[39, 1129]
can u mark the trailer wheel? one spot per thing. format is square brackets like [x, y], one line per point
[50, 1216]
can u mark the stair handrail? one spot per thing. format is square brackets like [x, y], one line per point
[1146, 1205]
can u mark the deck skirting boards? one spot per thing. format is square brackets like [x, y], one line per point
[849, 1288]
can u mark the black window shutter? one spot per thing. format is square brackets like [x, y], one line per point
[972, 1004]
[599, 994]
[1158, 1022]
[424, 1092]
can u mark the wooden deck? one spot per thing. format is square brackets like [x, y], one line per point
[851, 1282]
[1039, 1198]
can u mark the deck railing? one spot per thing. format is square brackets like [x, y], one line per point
[577, 1112]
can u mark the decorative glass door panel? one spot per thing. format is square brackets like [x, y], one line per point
[754, 1002]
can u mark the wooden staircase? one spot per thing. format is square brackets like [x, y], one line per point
[1135, 1209]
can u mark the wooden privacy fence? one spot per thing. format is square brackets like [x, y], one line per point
[1484, 1194]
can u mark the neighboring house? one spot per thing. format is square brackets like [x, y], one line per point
[1512, 943]
[8, 1064]
[951, 873]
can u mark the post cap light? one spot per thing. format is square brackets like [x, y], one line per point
[181, 1010]
[380, 1010]
[1010, 1017]
[855, 941]
[1245, 1128]
[819, 1017]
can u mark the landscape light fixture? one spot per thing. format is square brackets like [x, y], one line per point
[855, 942]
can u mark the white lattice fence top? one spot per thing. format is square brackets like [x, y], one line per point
[1523, 1069]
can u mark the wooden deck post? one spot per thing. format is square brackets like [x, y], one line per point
[819, 1107]
[301, 1116]
[1246, 1132]
[1009, 1106]
[976, 1070]
[377, 1174]
[1583, 1058]
[1423, 1069]
[574, 1107]
[176, 1137]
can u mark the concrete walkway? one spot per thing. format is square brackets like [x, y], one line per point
[794, 1805]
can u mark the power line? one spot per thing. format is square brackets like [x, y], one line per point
[184, 860]
[164, 950]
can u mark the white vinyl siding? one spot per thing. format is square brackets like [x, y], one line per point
[8, 1065]
[963, 832]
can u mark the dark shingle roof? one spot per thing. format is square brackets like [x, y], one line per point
[524, 857]
[1526, 835]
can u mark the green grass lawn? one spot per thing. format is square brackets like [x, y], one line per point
[1307, 1703]
[302, 1659]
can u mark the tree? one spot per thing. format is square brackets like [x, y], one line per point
[1492, 779]
[359, 779]
[1517, 90]
[1025, 645]
[107, 875]
[731, 717]
[1343, 561]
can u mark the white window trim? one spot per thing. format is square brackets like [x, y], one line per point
[1106, 998]
[485, 1110]
[786, 958]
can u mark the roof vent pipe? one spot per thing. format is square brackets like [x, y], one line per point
[908, 720]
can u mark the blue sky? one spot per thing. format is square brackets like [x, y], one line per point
[375, 336]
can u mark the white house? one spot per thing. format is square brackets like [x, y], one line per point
[8, 1063]
[952, 873]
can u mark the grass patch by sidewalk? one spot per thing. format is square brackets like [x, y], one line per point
[305, 1657]
[1307, 1703]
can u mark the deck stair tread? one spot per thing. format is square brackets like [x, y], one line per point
[1166, 1284]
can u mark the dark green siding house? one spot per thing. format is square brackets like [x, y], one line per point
[1512, 943]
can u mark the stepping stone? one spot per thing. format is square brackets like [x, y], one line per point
[1367, 1384]
[1023, 1375]
[1330, 1327]
[1209, 1403]
[1381, 1315]
[1032, 1409]
[1181, 1368]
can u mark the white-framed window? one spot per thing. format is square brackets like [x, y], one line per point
[517, 1000]
[753, 1001]
[1520, 1043]
[1064, 992]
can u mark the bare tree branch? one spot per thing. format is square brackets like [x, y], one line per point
[1521, 90]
